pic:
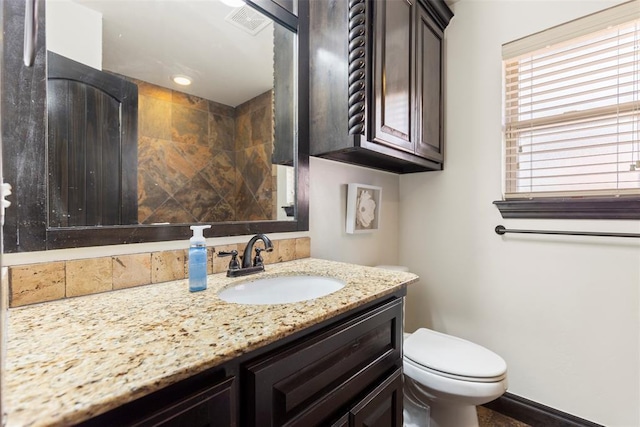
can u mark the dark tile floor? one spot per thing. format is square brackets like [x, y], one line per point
[489, 418]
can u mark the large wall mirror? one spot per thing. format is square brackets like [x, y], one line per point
[155, 115]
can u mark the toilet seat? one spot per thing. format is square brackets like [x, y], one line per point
[453, 357]
[426, 369]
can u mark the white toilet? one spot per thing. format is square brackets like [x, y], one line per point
[450, 376]
[446, 377]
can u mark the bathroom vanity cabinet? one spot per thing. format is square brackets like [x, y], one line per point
[377, 100]
[345, 371]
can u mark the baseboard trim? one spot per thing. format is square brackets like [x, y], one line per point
[535, 414]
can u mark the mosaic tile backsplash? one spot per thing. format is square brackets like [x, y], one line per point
[201, 161]
[49, 281]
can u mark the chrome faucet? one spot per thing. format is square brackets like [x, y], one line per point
[235, 269]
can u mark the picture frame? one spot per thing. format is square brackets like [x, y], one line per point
[364, 204]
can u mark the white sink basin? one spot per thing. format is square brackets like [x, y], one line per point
[280, 290]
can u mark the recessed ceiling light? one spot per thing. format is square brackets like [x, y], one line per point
[233, 3]
[181, 80]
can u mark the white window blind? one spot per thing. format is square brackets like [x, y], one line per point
[572, 109]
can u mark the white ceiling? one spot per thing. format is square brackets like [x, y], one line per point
[152, 40]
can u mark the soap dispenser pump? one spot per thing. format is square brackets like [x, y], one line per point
[198, 259]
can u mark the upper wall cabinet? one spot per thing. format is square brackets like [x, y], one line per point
[376, 82]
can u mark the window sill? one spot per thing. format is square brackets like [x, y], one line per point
[589, 208]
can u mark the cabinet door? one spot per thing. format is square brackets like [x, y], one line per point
[393, 76]
[212, 407]
[382, 407]
[429, 139]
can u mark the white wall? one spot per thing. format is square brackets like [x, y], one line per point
[74, 31]
[562, 311]
[328, 203]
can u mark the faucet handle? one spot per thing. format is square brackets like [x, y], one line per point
[258, 260]
[233, 264]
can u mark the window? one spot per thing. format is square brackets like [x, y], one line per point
[572, 117]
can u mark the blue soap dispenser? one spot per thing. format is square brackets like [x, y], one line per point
[198, 259]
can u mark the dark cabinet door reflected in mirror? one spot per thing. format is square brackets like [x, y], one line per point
[129, 155]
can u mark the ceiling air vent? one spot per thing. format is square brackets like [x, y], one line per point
[247, 19]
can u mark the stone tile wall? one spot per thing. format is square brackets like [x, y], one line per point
[201, 161]
[41, 282]
[255, 190]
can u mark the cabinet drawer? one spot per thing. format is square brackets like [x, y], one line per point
[205, 401]
[313, 379]
[381, 407]
[213, 406]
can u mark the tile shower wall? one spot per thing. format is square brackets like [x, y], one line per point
[201, 161]
[49, 281]
[255, 175]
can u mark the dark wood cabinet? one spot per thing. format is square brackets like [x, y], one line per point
[343, 371]
[393, 109]
[382, 407]
[212, 407]
[206, 400]
[342, 422]
[311, 383]
[377, 99]
[429, 90]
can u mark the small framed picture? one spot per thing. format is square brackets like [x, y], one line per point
[363, 208]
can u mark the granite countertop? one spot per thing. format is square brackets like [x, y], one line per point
[72, 359]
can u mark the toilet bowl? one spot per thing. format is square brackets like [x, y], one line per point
[450, 376]
[446, 377]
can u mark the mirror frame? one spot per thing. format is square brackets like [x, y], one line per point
[24, 135]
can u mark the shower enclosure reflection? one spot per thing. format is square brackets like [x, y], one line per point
[157, 152]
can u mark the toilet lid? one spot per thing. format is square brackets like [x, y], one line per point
[452, 355]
